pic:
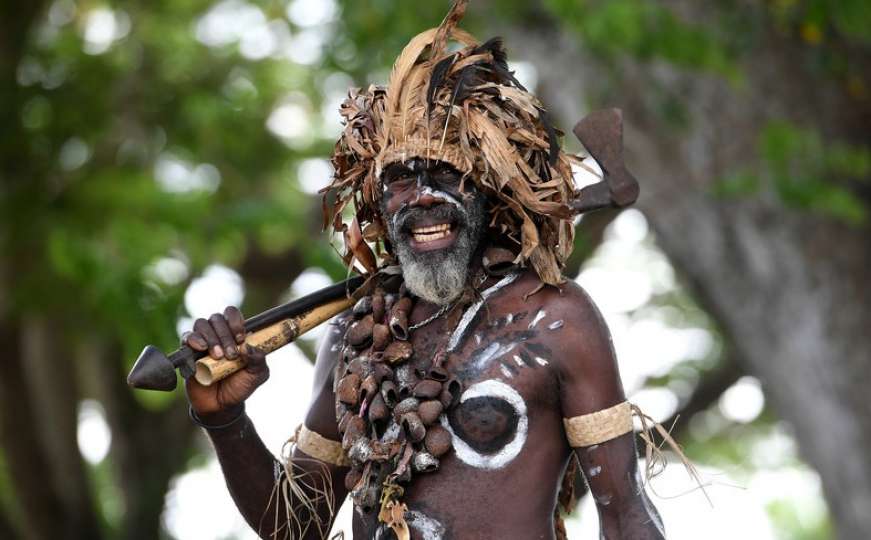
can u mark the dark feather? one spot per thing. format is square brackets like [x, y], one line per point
[461, 85]
[494, 46]
[437, 79]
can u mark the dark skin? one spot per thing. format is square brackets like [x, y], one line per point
[552, 350]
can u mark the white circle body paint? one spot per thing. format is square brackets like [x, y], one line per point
[473, 458]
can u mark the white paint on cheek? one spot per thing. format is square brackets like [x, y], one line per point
[556, 325]
[429, 528]
[539, 315]
[594, 471]
[438, 194]
[469, 456]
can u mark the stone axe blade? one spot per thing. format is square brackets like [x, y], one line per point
[268, 331]
[601, 133]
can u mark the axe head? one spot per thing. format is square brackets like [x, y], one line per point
[601, 133]
[153, 371]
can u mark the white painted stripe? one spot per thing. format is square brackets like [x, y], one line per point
[539, 315]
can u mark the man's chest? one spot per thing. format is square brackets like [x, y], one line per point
[507, 380]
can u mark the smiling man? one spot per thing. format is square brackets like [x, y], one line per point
[453, 401]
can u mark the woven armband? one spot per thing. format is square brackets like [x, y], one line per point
[600, 426]
[321, 448]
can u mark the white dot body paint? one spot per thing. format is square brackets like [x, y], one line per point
[541, 361]
[594, 471]
[505, 372]
[496, 389]
[518, 361]
[429, 528]
[556, 325]
[539, 315]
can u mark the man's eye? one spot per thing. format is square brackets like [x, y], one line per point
[446, 175]
[400, 179]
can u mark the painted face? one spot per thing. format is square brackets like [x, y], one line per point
[435, 224]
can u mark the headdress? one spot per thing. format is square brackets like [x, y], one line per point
[466, 108]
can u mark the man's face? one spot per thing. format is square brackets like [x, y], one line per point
[434, 227]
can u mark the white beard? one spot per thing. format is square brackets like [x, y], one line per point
[441, 277]
[437, 282]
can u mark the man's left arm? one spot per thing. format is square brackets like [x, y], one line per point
[598, 420]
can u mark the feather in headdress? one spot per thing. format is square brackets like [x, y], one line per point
[468, 109]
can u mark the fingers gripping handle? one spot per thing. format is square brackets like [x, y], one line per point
[269, 339]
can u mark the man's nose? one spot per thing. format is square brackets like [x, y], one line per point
[425, 197]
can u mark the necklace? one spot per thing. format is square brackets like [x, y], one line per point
[446, 308]
[439, 313]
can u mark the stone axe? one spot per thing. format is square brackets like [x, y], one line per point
[267, 331]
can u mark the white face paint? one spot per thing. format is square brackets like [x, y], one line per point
[473, 458]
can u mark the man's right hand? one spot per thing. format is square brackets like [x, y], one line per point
[223, 336]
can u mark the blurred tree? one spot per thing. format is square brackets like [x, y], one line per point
[750, 123]
[132, 154]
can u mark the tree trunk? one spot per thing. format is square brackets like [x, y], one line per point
[788, 288]
[41, 509]
[52, 388]
[148, 447]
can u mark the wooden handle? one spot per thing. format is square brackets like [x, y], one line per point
[269, 339]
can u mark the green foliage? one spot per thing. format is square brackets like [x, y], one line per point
[645, 30]
[806, 172]
[792, 523]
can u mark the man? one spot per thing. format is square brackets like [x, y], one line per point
[450, 402]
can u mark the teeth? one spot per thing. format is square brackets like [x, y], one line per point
[421, 238]
[444, 227]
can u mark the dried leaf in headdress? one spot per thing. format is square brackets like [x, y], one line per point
[445, 29]
[468, 109]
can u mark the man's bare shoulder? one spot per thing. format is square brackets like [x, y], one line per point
[568, 322]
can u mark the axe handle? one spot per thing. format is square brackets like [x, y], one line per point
[269, 339]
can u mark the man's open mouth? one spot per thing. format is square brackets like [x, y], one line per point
[432, 236]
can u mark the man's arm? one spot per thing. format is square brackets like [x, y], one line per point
[252, 473]
[589, 383]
